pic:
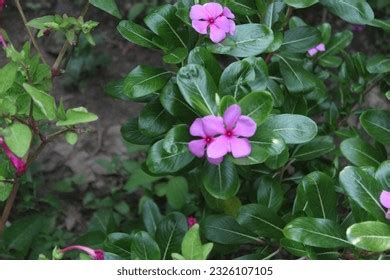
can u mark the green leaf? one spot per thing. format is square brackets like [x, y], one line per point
[249, 40]
[132, 134]
[293, 247]
[225, 230]
[43, 101]
[261, 220]
[257, 105]
[300, 39]
[242, 7]
[176, 56]
[259, 154]
[71, 138]
[276, 92]
[319, 191]
[5, 190]
[164, 22]
[383, 174]
[18, 138]
[294, 129]
[370, 236]
[137, 34]
[274, 13]
[295, 77]
[143, 247]
[316, 232]
[109, 6]
[170, 233]
[154, 120]
[145, 80]
[300, 4]
[198, 89]
[364, 189]
[150, 215]
[338, 42]
[201, 56]
[172, 100]
[171, 154]
[319, 146]
[353, 11]
[192, 247]
[360, 153]
[377, 125]
[244, 76]
[377, 65]
[40, 23]
[7, 77]
[221, 181]
[178, 192]
[119, 244]
[77, 116]
[269, 193]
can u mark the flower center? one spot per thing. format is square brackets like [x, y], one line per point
[211, 20]
[229, 133]
[208, 139]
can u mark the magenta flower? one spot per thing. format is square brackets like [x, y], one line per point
[19, 164]
[214, 17]
[316, 49]
[2, 4]
[191, 221]
[221, 136]
[94, 254]
[385, 201]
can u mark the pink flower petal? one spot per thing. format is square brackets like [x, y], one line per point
[196, 128]
[214, 10]
[197, 147]
[215, 161]
[312, 51]
[198, 12]
[232, 29]
[245, 127]
[385, 199]
[228, 13]
[218, 148]
[223, 23]
[213, 125]
[217, 35]
[231, 116]
[200, 26]
[321, 47]
[240, 147]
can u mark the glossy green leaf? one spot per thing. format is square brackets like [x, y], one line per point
[261, 220]
[137, 34]
[225, 230]
[269, 192]
[300, 39]
[353, 11]
[77, 116]
[257, 105]
[249, 40]
[337, 43]
[319, 146]
[145, 80]
[382, 174]
[151, 216]
[377, 125]
[299, 4]
[131, 133]
[294, 129]
[43, 101]
[316, 232]
[242, 7]
[7, 77]
[192, 247]
[370, 236]
[377, 65]
[201, 56]
[360, 153]
[18, 138]
[221, 181]
[143, 247]
[364, 189]
[198, 89]
[109, 6]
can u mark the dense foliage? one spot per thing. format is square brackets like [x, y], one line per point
[293, 163]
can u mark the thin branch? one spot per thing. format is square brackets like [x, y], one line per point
[35, 43]
[9, 205]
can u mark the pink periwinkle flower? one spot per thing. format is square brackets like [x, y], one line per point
[220, 21]
[316, 49]
[2, 4]
[385, 201]
[221, 136]
[191, 221]
[94, 254]
[19, 164]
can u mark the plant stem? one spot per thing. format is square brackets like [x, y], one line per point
[35, 43]
[9, 205]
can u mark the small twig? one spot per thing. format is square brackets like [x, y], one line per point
[7, 181]
[35, 43]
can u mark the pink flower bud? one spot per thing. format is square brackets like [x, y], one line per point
[19, 164]
[191, 221]
[94, 254]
